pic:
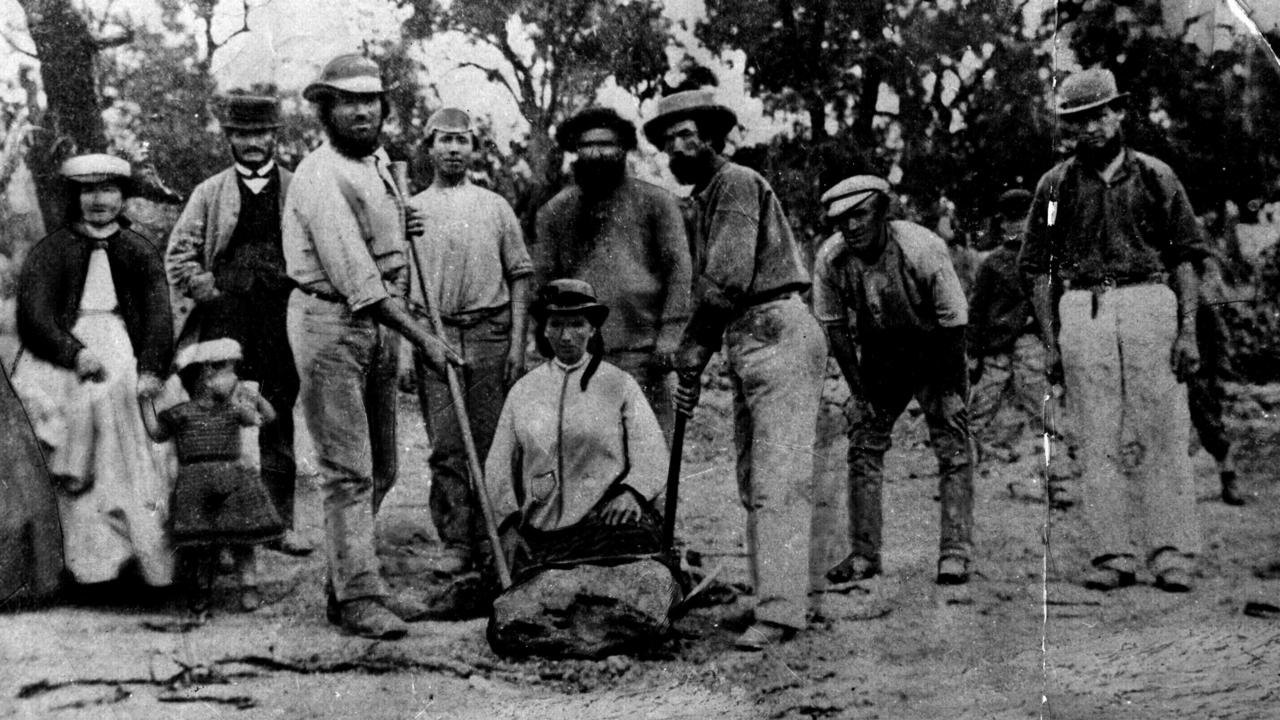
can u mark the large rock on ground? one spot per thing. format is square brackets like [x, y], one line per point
[586, 611]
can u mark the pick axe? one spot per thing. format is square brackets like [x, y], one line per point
[400, 174]
[673, 485]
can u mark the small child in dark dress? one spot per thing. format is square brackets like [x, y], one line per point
[217, 500]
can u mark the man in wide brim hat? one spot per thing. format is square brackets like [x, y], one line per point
[699, 105]
[352, 73]
[1086, 90]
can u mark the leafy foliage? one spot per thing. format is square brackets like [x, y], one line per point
[573, 48]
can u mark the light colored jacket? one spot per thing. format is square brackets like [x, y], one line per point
[201, 235]
[558, 449]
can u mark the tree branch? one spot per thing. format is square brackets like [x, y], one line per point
[106, 43]
[492, 75]
[13, 45]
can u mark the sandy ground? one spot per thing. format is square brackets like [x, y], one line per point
[1020, 641]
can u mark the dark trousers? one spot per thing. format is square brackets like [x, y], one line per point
[889, 384]
[257, 321]
[454, 507]
[1204, 388]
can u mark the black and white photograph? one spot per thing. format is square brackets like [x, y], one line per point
[668, 359]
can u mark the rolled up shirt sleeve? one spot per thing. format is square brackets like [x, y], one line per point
[948, 294]
[829, 306]
[516, 261]
[325, 231]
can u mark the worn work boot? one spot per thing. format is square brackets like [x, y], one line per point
[763, 634]
[406, 607]
[367, 618]
[853, 568]
[1174, 580]
[1230, 493]
[953, 570]
[1106, 578]
[292, 544]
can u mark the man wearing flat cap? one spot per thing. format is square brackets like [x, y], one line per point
[890, 286]
[627, 238]
[748, 276]
[478, 271]
[1112, 250]
[345, 225]
[227, 278]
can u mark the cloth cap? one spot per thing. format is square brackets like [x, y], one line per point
[699, 105]
[850, 192]
[568, 295]
[1086, 90]
[207, 352]
[249, 112]
[96, 167]
[594, 118]
[450, 119]
[1014, 204]
[351, 73]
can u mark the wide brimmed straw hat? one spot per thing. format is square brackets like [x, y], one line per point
[697, 105]
[352, 73]
[95, 168]
[851, 192]
[207, 352]
[566, 296]
[1087, 90]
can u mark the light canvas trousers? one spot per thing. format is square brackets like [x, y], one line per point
[1130, 420]
[777, 355]
[347, 371]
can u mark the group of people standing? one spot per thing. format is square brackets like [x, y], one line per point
[305, 284]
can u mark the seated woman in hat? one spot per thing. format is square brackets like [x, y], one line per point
[93, 318]
[578, 456]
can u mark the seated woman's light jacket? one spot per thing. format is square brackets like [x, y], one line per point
[558, 449]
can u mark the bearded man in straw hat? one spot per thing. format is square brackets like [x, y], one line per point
[344, 246]
[1111, 252]
[227, 279]
[627, 238]
[748, 276]
[892, 283]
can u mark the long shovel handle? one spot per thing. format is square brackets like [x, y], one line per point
[673, 484]
[400, 174]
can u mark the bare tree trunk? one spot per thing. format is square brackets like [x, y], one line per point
[71, 121]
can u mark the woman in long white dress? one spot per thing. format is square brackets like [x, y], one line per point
[93, 318]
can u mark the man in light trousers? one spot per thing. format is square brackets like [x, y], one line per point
[344, 245]
[1113, 246]
[748, 276]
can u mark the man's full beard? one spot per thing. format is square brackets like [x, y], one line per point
[596, 175]
[687, 170]
[352, 147]
[1100, 157]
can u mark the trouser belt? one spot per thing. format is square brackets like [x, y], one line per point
[322, 295]
[1099, 286]
[1110, 282]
